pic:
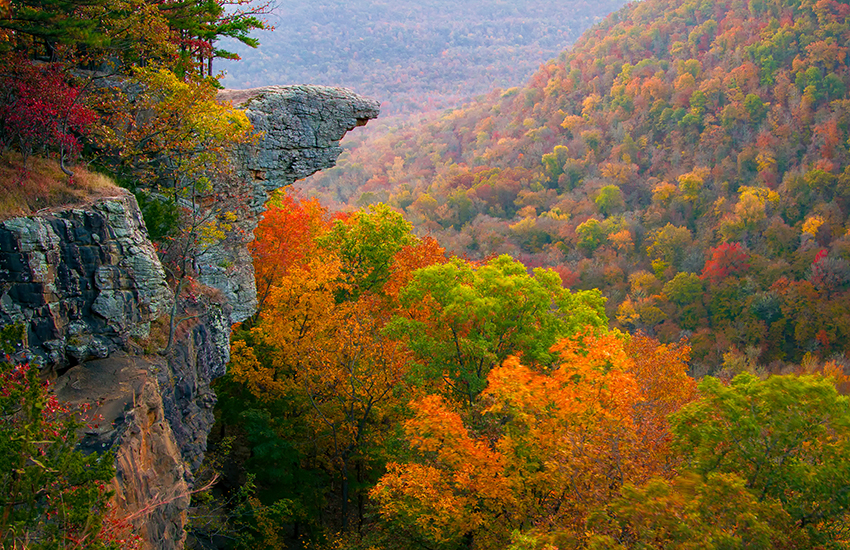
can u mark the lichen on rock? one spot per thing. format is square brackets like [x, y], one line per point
[84, 280]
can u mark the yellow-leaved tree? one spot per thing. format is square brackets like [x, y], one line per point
[319, 347]
[549, 447]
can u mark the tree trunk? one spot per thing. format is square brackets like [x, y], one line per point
[344, 474]
[361, 501]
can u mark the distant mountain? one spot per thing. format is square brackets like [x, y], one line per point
[412, 54]
[688, 158]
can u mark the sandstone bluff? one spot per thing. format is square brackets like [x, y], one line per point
[88, 284]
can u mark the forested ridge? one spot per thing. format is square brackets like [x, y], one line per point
[687, 159]
[683, 172]
[412, 56]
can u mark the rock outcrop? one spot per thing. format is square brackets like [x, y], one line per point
[298, 129]
[89, 286]
[152, 483]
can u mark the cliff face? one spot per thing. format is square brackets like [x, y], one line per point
[152, 482]
[87, 283]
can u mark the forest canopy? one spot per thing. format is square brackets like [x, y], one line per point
[688, 159]
[393, 397]
[412, 56]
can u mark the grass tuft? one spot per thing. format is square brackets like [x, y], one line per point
[40, 184]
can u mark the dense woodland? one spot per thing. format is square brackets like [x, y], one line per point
[687, 159]
[606, 310]
[390, 396]
[412, 55]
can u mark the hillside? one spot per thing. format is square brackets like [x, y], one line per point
[689, 159]
[412, 56]
[373, 390]
[38, 184]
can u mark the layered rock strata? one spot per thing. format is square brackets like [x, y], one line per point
[85, 281]
[88, 284]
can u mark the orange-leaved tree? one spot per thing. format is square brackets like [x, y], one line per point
[319, 346]
[549, 447]
[284, 238]
[661, 371]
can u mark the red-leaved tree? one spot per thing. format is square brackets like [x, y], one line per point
[39, 109]
[725, 260]
[52, 495]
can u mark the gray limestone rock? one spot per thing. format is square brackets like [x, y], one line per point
[299, 129]
[83, 280]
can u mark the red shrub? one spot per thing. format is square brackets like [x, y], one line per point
[39, 108]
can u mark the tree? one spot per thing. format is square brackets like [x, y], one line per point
[591, 234]
[367, 242]
[96, 32]
[756, 109]
[684, 288]
[717, 512]
[691, 184]
[235, 19]
[609, 200]
[51, 494]
[669, 244]
[725, 260]
[333, 361]
[458, 493]
[42, 26]
[462, 320]
[318, 352]
[178, 132]
[553, 164]
[786, 437]
[661, 372]
[549, 446]
[171, 142]
[197, 25]
[39, 109]
[284, 238]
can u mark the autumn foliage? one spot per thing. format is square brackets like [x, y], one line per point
[676, 137]
[426, 401]
[39, 109]
[724, 261]
[53, 496]
[550, 446]
[283, 240]
[680, 174]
